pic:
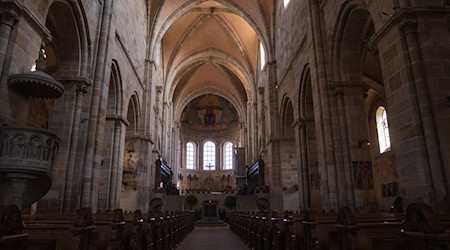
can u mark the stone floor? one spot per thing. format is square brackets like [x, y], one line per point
[212, 238]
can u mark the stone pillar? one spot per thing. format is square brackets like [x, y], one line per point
[344, 176]
[7, 20]
[93, 148]
[116, 164]
[303, 166]
[261, 121]
[272, 133]
[68, 205]
[242, 133]
[325, 145]
[19, 186]
[157, 109]
[429, 159]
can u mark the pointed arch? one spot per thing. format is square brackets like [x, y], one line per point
[133, 113]
[115, 92]
[287, 117]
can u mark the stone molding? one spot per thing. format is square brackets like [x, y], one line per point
[8, 17]
[119, 120]
[402, 17]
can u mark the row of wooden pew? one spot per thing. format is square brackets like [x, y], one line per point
[116, 230]
[418, 229]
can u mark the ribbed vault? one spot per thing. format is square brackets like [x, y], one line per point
[210, 45]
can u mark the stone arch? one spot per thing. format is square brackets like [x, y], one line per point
[115, 92]
[308, 152]
[357, 73]
[133, 169]
[133, 113]
[70, 49]
[214, 55]
[288, 155]
[112, 139]
[179, 106]
[66, 56]
[287, 117]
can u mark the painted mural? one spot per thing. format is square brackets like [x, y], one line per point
[209, 112]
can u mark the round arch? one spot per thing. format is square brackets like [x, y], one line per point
[73, 46]
[179, 106]
[210, 55]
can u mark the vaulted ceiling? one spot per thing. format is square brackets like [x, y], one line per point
[210, 47]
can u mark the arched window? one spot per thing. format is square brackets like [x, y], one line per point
[286, 3]
[228, 156]
[262, 55]
[209, 156]
[190, 155]
[383, 130]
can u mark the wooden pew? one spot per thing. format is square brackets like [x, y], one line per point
[117, 230]
[423, 229]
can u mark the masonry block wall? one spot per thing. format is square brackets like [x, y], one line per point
[335, 62]
[313, 41]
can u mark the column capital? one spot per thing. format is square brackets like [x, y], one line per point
[8, 17]
[338, 92]
[118, 120]
[261, 90]
[299, 123]
[408, 25]
[82, 89]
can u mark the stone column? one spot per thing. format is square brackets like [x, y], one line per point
[157, 109]
[93, 148]
[429, 157]
[325, 146]
[68, 205]
[303, 166]
[7, 20]
[344, 176]
[261, 120]
[114, 186]
[19, 186]
[242, 132]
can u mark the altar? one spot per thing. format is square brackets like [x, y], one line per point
[210, 211]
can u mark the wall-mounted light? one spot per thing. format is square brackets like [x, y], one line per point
[363, 142]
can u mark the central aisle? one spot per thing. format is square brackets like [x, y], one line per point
[212, 238]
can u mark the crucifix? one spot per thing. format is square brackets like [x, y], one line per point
[209, 166]
[210, 117]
